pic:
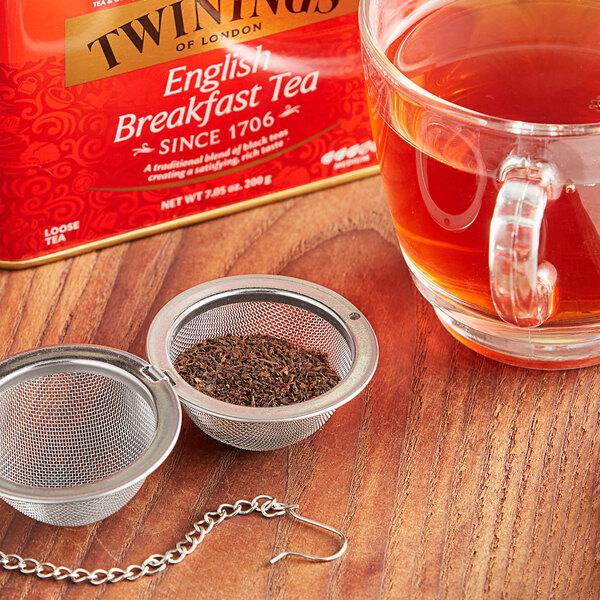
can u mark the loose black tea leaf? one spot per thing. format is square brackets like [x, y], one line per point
[256, 370]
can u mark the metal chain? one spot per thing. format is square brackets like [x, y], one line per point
[266, 505]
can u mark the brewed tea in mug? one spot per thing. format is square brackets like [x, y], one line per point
[486, 118]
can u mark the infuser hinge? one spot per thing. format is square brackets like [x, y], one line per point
[155, 375]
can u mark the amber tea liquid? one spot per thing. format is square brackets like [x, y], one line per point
[530, 61]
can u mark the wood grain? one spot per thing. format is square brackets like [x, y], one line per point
[453, 476]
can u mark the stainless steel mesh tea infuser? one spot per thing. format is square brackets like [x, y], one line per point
[304, 313]
[80, 429]
[82, 426]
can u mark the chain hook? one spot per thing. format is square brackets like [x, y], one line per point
[289, 509]
[155, 563]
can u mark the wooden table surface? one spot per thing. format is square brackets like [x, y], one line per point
[453, 476]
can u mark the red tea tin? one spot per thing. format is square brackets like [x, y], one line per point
[124, 118]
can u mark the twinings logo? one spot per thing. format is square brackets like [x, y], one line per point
[150, 32]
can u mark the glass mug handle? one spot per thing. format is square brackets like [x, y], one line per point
[523, 291]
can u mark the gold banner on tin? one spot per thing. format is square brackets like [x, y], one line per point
[150, 32]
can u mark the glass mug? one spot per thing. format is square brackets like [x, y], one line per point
[485, 115]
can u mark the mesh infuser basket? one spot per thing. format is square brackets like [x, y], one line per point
[80, 429]
[304, 313]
